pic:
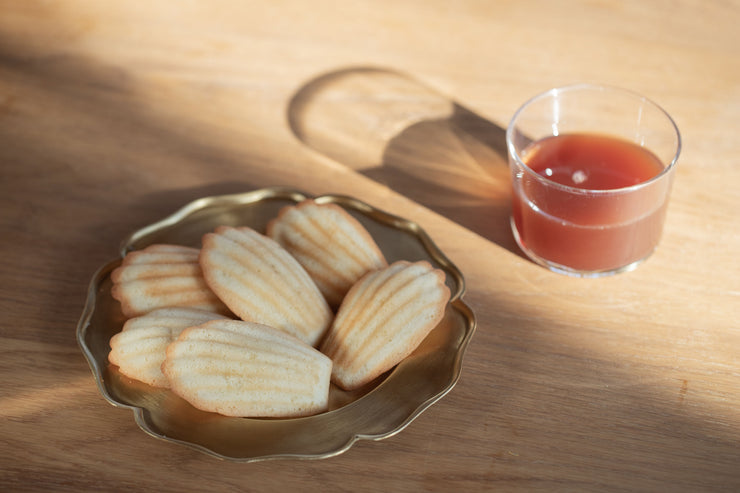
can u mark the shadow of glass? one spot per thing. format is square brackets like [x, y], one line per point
[402, 134]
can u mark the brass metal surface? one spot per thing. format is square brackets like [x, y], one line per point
[380, 410]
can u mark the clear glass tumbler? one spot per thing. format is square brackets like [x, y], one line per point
[592, 168]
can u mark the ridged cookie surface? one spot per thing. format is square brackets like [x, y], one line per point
[333, 247]
[139, 349]
[246, 369]
[162, 276]
[383, 318]
[261, 282]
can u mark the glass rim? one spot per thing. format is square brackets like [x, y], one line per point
[589, 191]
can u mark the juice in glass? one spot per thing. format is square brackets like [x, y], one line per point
[592, 169]
[591, 237]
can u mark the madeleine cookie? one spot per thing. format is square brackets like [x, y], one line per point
[139, 349]
[333, 247]
[162, 276]
[246, 369]
[261, 282]
[382, 319]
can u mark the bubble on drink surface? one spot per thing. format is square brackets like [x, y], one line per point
[579, 177]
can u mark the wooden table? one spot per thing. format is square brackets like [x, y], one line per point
[115, 114]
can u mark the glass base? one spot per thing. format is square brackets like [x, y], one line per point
[569, 271]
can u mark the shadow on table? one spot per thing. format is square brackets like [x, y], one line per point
[392, 128]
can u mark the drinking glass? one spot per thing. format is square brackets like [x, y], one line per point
[570, 226]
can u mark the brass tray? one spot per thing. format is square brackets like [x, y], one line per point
[380, 410]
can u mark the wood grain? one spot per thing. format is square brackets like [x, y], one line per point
[114, 114]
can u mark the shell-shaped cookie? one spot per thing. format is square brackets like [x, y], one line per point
[162, 276]
[334, 248]
[383, 318]
[261, 282]
[246, 369]
[139, 349]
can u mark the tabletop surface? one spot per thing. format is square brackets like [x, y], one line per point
[115, 114]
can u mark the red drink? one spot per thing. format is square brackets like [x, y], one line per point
[573, 210]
